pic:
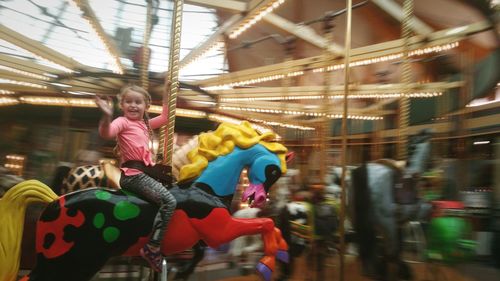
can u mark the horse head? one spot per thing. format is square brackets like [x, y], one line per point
[223, 154]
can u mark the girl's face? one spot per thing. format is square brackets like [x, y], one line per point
[134, 105]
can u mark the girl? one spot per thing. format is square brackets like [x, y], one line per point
[133, 132]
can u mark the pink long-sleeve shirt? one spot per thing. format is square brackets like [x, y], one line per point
[133, 138]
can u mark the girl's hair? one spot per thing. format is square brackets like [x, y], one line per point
[147, 99]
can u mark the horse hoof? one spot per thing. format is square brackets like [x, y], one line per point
[283, 256]
[264, 271]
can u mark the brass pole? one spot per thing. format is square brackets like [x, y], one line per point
[145, 49]
[344, 135]
[404, 101]
[285, 84]
[165, 151]
[324, 127]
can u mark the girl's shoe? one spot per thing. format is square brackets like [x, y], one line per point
[153, 257]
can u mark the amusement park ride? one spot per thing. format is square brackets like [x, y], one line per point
[325, 78]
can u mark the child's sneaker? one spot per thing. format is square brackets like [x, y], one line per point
[153, 257]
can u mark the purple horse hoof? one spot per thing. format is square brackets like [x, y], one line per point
[264, 271]
[283, 256]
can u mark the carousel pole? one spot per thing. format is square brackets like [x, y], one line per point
[289, 45]
[165, 150]
[347, 58]
[404, 101]
[324, 127]
[145, 49]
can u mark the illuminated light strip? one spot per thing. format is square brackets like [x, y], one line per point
[416, 52]
[217, 46]
[339, 96]
[13, 166]
[54, 101]
[253, 19]
[180, 112]
[293, 112]
[254, 81]
[6, 92]
[291, 126]
[116, 66]
[8, 101]
[22, 83]
[15, 157]
[25, 73]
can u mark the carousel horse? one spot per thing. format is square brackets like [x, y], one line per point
[382, 197]
[78, 232]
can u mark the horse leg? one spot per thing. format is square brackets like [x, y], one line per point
[230, 228]
[199, 254]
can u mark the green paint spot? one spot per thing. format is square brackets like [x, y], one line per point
[125, 210]
[111, 234]
[99, 220]
[103, 195]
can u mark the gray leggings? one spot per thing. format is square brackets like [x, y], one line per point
[152, 191]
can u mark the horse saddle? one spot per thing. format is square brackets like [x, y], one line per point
[112, 173]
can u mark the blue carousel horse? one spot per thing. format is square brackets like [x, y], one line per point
[78, 232]
[381, 198]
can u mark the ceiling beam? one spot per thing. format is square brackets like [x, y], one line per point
[305, 33]
[37, 48]
[230, 5]
[445, 36]
[26, 65]
[393, 9]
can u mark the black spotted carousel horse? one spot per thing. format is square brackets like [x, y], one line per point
[78, 232]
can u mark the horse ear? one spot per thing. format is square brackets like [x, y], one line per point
[290, 156]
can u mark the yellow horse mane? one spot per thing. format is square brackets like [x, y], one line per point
[222, 142]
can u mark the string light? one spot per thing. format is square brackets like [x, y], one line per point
[22, 83]
[254, 81]
[8, 101]
[297, 113]
[416, 52]
[180, 112]
[56, 101]
[6, 92]
[291, 126]
[337, 96]
[25, 73]
[255, 17]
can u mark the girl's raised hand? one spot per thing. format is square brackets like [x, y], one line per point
[105, 105]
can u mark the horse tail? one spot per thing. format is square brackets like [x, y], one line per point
[12, 209]
[363, 213]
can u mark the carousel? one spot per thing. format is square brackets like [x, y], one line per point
[305, 140]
